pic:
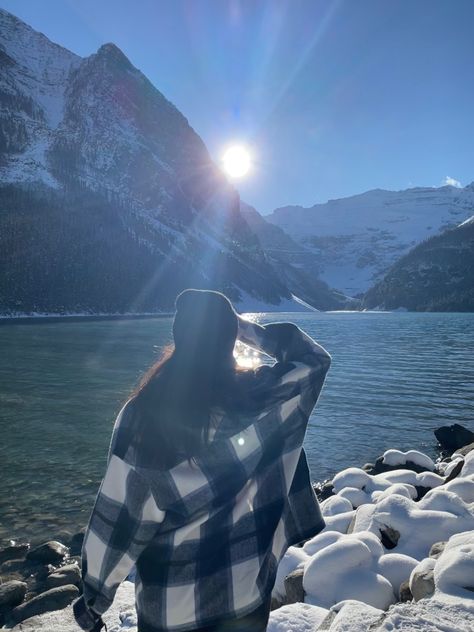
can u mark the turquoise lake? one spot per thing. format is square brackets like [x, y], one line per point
[395, 377]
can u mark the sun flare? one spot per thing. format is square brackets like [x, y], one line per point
[236, 161]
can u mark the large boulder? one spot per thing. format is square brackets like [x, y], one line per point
[52, 552]
[422, 583]
[405, 592]
[395, 459]
[451, 438]
[13, 552]
[294, 586]
[54, 599]
[77, 541]
[296, 616]
[12, 594]
[70, 574]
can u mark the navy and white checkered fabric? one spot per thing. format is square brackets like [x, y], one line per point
[206, 536]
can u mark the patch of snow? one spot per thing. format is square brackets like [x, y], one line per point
[250, 304]
[427, 615]
[296, 617]
[470, 220]
[354, 616]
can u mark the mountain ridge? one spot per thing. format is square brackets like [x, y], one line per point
[355, 240]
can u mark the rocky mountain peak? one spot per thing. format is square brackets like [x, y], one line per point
[111, 54]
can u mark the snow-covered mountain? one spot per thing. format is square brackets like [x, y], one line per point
[109, 200]
[437, 275]
[297, 266]
[355, 240]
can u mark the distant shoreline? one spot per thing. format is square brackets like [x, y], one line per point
[47, 318]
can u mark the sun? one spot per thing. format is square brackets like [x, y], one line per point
[236, 161]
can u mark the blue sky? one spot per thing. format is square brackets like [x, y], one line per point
[335, 97]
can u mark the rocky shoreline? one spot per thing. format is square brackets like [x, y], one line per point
[38, 580]
[47, 578]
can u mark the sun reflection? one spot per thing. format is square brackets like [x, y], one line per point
[246, 357]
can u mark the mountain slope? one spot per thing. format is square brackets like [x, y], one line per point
[297, 266]
[355, 240]
[109, 201]
[437, 275]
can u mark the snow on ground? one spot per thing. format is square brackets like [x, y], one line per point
[354, 616]
[300, 616]
[427, 615]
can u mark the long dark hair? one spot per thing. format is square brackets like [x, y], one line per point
[173, 402]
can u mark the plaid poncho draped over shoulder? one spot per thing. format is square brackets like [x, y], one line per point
[206, 536]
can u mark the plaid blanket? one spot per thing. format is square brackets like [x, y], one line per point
[206, 536]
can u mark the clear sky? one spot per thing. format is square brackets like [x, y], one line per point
[334, 96]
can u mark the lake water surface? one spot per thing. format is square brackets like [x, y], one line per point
[395, 377]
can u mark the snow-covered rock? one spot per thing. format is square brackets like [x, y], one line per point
[468, 467]
[354, 616]
[352, 477]
[418, 528]
[359, 488]
[462, 487]
[296, 617]
[345, 570]
[335, 505]
[454, 569]
[402, 489]
[396, 567]
[339, 522]
[396, 457]
[295, 557]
